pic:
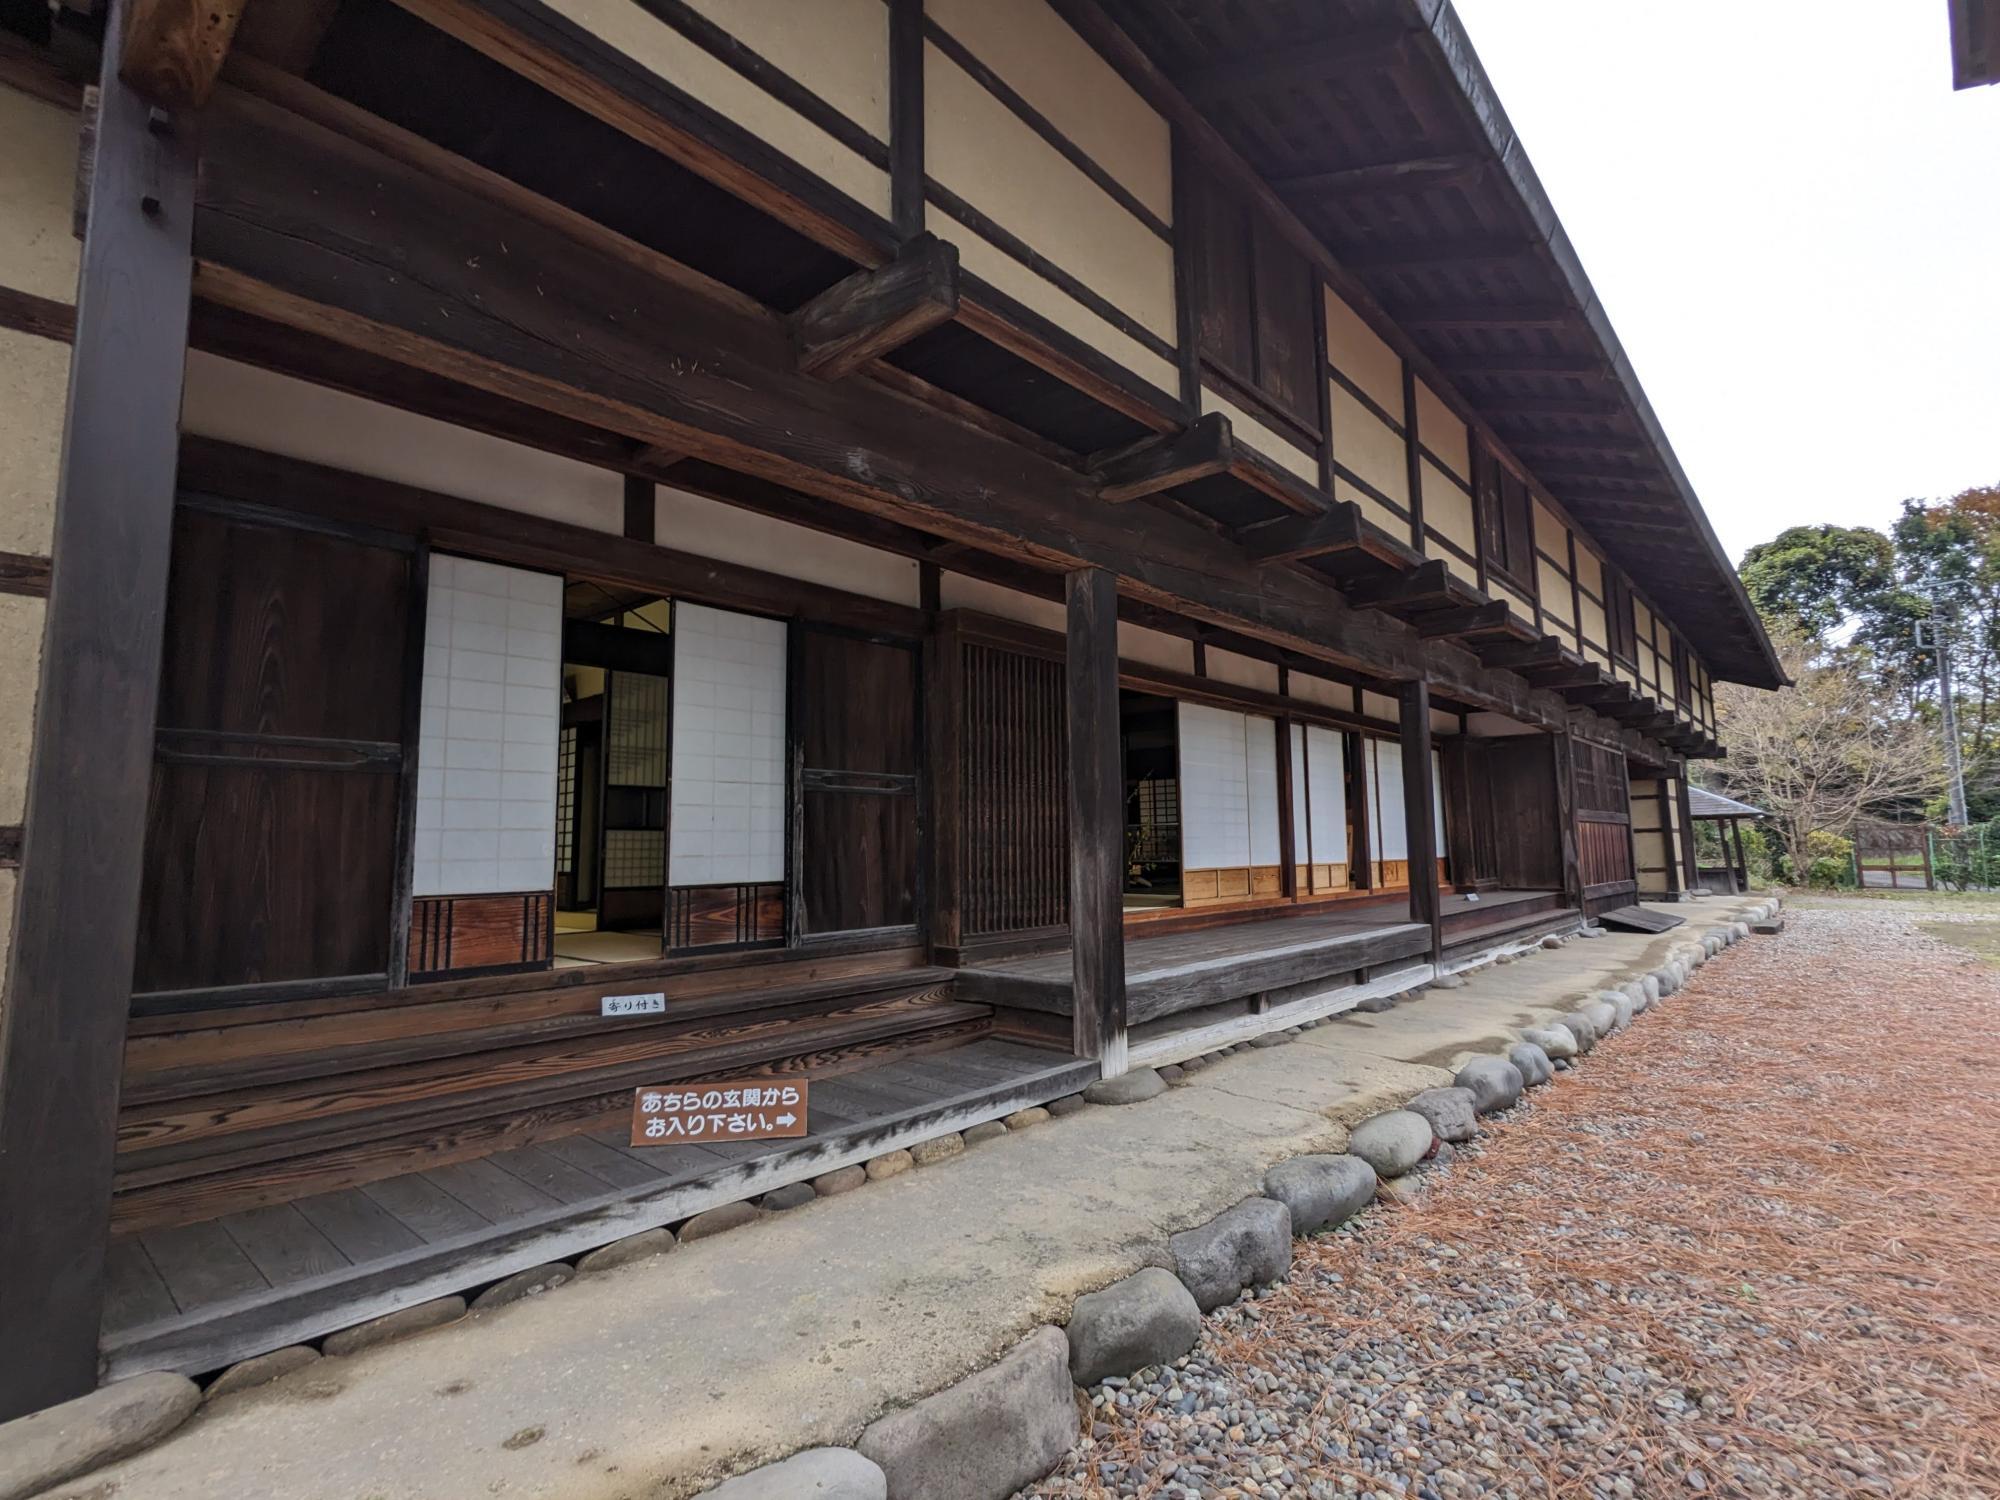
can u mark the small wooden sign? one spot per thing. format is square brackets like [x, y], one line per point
[737, 1109]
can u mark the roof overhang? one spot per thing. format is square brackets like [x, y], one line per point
[1379, 129]
[1975, 43]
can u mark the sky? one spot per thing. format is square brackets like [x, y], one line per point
[1794, 224]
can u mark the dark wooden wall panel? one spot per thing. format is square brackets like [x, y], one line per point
[271, 833]
[1521, 792]
[473, 934]
[858, 753]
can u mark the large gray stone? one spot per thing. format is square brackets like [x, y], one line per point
[1146, 1319]
[1493, 1082]
[1322, 1192]
[987, 1436]
[260, 1370]
[1623, 1008]
[1582, 1029]
[1248, 1245]
[1602, 1015]
[113, 1421]
[1127, 1088]
[1769, 927]
[1536, 1068]
[816, 1474]
[1447, 982]
[1649, 985]
[634, 1247]
[396, 1325]
[1634, 991]
[717, 1220]
[1667, 978]
[1391, 1142]
[523, 1284]
[1555, 1040]
[1451, 1111]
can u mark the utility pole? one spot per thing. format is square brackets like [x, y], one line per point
[1931, 636]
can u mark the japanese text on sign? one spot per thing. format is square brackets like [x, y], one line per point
[748, 1109]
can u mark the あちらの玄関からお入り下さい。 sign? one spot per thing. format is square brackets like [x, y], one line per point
[740, 1109]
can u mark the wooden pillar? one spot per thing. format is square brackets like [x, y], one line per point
[69, 975]
[1690, 860]
[1419, 817]
[1096, 821]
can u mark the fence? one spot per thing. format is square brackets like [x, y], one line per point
[1894, 857]
[1967, 859]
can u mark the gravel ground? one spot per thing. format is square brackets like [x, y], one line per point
[1752, 1248]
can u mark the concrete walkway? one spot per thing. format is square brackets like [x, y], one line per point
[655, 1379]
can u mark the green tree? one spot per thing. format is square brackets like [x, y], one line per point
[1815, 579]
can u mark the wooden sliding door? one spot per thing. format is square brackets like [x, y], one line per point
[272, 839]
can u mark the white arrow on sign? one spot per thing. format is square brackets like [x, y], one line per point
[786, 1119]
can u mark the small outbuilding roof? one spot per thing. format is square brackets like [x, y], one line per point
[1703, 803]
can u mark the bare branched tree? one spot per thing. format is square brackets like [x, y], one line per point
[1824, 753]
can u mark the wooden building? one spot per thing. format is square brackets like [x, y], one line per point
[944, 547]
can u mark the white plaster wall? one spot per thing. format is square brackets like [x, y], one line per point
[956, 591]
[1265, 439]
[661, 50]
[837, 48]
[1036, 54]
[710, 528]
[278, 414]
[1242, 671]
[1155, 648]
[38, 144]
[486, 757]
[728, 823]
[1309, 689]
[1362, 356]
[1365, 444]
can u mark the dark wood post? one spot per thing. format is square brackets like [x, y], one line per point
[1419, 816]
[69, 975]
[1096, 821]
[1690, 859]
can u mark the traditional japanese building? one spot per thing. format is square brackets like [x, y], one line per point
[934, 548]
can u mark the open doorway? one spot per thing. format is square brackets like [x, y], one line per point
[1151, 743]
[612, 781]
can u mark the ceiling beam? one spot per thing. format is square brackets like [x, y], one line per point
[1484, 315]
[1470, 619]
[1419, 254]
[1583, 366]
[1291, 538]
[1552, 406]
[1586, 474]
[1404, 175]
[1300, 61]
[1527, 443]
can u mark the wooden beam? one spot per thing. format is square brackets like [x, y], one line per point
[1202, 448]
[1300, 62]
[1485, 315]
[1096, 793]
[641, 508]
[1564, 752]
[1497, 407]
[284, 33]
[1587, 474]
[906, 116]
[1470, 619]
[1586, 366]
[1401, 175]
[1419, 812]
[1530, 443]
[173, 49]
[873, 313]
[484, 289]
[1290, 538]
[62, 1028]
[1428, 252]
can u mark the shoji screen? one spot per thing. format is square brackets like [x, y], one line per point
[726, 857]
[1319, 808]
[486, 768]
[1391, 831]
[1229, 805]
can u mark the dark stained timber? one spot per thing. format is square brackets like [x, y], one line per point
[1096, 820]
[65, 1008]
[872, 313]
[1202, 448]
[1418, 815]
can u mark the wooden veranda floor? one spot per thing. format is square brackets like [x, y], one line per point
[198, 1296]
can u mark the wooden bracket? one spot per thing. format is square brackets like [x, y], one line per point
[1429, 582]
[1519, 655]
[1160, 462]
[873, 313]
[1293, 537]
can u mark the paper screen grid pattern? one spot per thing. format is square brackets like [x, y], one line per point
[728, 823]
[1319, 795]
[1392, 839]
[486, 754]
[1229, 789]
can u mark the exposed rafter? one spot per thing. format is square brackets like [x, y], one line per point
[1159, 462]
[1291, 538]
[1302, 60]
[875, 312]
[1585, 366]
[1485, 315]
[1417, 254]
[1498, 407]
[1406, 175]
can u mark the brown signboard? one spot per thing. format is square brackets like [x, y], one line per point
[735, 1109]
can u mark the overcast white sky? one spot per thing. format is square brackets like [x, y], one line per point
[1795, 226]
